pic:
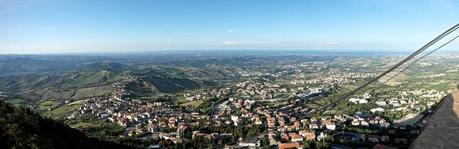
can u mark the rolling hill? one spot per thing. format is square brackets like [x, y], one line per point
[31, 80]
[23, 128]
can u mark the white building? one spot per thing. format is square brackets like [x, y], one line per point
[381, 103]
[235, 119]
[379, 109]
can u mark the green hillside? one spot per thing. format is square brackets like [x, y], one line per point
[23, 128]
[34, 88]
[97, 79]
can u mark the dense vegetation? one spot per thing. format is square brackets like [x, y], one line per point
[23, 128]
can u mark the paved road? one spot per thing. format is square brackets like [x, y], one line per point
[442, 131]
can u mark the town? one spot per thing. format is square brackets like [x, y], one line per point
[229, 74]
[271, 110]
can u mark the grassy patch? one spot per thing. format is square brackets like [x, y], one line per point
[16, 102]
[63, 111]
[93, 91]
[94, 78]
[47, 104]
[94, 127]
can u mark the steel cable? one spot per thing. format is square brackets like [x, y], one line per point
[414, 54]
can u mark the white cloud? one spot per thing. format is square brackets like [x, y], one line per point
[326, 44]
[231, 30]
[234, 42]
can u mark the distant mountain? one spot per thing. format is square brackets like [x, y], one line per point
[154, 84]
[30, 79]
[53, 64]
[26, 65]
[107, 66]
[23, 128]
[76, 85]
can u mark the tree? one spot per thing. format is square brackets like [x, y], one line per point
[321, 144]
[307, 144]
[265, 142]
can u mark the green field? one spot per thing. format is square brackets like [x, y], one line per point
[47, 104]
[94, 127]
[63, 111]
[92, 91]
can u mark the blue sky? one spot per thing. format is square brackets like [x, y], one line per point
[62, 26]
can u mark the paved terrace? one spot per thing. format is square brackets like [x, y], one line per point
[442, 131]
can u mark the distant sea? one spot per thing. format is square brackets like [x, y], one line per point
[258, 52]
[238, 52]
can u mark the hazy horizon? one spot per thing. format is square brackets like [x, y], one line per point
[197, 51]
[52, 26]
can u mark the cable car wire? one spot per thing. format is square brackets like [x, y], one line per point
[425, 55]
[411, 56]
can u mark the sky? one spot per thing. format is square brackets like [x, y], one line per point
[66, 26]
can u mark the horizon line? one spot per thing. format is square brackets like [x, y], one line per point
[215, 50]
